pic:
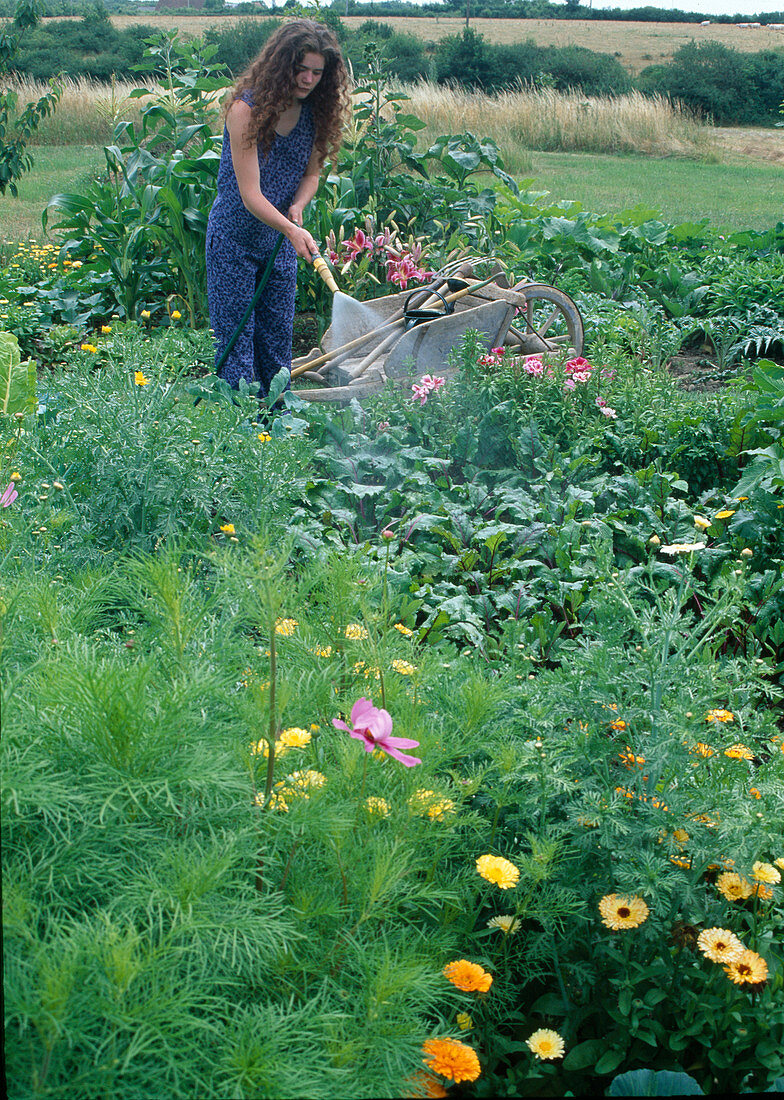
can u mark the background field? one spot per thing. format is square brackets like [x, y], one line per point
[634, 44]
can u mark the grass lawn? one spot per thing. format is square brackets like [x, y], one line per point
[732, 196]
[57, 168]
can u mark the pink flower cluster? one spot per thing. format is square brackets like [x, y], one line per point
[578, 371]
[605, 409]
[493, 359]
[427, 384]
[402, 264]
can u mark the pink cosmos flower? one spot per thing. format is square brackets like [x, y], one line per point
[373, 726]
[9, 496]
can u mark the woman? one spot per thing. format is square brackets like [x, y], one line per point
[285, 117]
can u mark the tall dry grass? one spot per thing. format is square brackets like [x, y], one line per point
[518, 120]
[542, 119]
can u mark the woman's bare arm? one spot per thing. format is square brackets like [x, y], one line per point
[307, 188]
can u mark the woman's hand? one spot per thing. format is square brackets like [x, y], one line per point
[296, 213]
[304, 245]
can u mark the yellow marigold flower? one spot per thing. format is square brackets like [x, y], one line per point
[719, 715]
[265, 437]
[505, 923]
[732, 886]
[106, 329]
[654, 540]
[356, 632]
[140, 379]
[719, 945]
[295, 738]
[546, 1045]
[227, 528]
[377, 807]
[703, 749]
[765, 872]
[468, 976]
[748, 969]
[464, 1021]
[89, 347]
[685, 863]
[323, 651]
[405, 668]
[620, 912]
[702, 523]
[146, 314]
[779, 862]
[404, 630]
[680, 836]
[16, 476]
[739, 752]
[423, 1086]
[498, 870]
[452, 1059]
[286, 627]
[755, 792]
[629, 759]
[725, 513]
[175, 315]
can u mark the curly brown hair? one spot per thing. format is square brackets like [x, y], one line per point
[272, 80]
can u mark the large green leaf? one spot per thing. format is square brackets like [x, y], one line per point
[17, 379]
[648, 1082]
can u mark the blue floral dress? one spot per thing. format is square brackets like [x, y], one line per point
[238, 249]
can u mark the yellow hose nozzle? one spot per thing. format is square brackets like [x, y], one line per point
[320, 265]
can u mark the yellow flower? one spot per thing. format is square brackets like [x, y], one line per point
[702, 523]
[748, 969]
[89, 347]
[227, 528]
[760, 890]
[286, 627]
[719, 945]
[719, 716]
[139, 379]
[739, 752]
[105, 329]
[725, 513]
[377, 807]
[654, 540]
[546, 1045]
[505, 923]
[175, 315]
[323, 651]
[295, 738]
[146, 314]
[423, 1086]
[403, 667]
[464, 1021]
[15, 476]
[618, 724]
[404, 630]
[468, 976]
[452, 1059]
[779, 862]
[356, 632]
[620, 912]
[265, 437]
[765, 872]
[429, 804]
[682, 547]
[498, 870]
[703, 749]
[746, 552]
[732, 886]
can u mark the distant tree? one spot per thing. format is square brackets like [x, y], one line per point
[16, 130]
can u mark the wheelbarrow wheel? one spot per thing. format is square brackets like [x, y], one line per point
[549, 321]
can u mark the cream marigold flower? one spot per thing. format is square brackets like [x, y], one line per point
[377, 807]
[286, 627]
[468, 976]
[702, 523]
[739, 752]
[720, 715]
[546, 1045]
[620, 912]
[405, 668]
[748, 969]
[498, 870]
[404, 630]
[505, 923]
[765, 872]
[356, 632]
[682, 547]
[452, 1059]
[719, 945]
[732, 886]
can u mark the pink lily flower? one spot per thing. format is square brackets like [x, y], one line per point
[373, 726]
[9, 496]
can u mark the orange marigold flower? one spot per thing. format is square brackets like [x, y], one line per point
[468, 976]
[748, 969]
[452, 1059]
[703, 749]
[423, 1086]
[755, 792]
[760, 890]
[719, 715]
[629, 758]
[739, 752]
[733, 887]
[618, 724]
